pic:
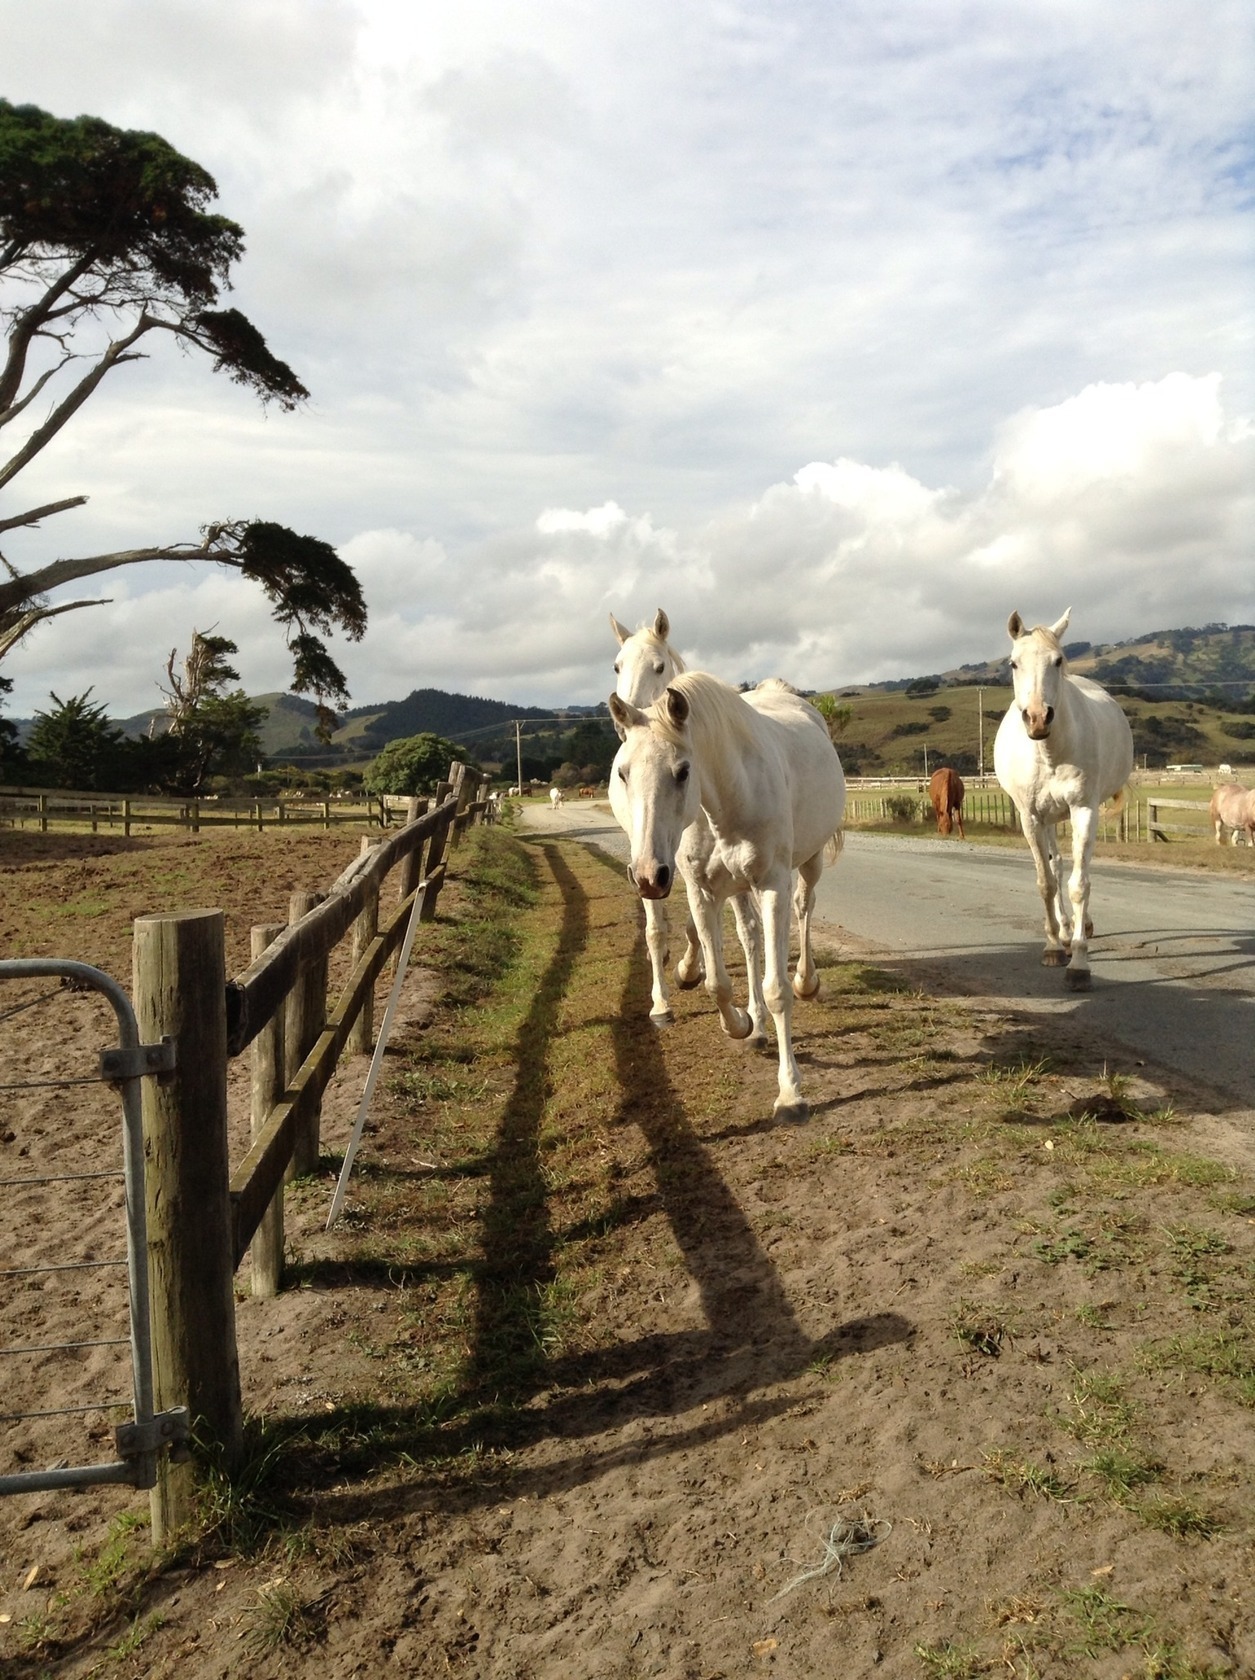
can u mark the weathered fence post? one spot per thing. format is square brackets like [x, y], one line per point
[306, 1017]
[266, 1248]
[180, 992]
[461, 783]
[361, 1036]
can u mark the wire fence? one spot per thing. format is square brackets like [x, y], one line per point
[75, 1362]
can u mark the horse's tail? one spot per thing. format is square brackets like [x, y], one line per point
[1116, 805]
[835, 846]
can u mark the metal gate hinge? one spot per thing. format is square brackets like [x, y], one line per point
[165, 1429]
[119, 1063]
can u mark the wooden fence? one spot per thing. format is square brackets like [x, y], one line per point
[204, 1215]
[40, 809]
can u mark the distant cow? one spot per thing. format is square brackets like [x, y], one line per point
[1233, 806]
[945, 789]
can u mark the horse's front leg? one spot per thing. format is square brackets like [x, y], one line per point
[806, 975]
[1084, 832]
[749, 930]
[707, 913]
[688, 971]
[1040, 839]
[773, 900]
[656, 944]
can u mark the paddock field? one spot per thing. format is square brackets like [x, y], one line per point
[603, 1369]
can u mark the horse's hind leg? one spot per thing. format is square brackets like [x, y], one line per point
[958, 817]
[688, 971]
[806, 976]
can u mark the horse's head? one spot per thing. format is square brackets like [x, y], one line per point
[646, 663]
[656, 787]
[1037, 671]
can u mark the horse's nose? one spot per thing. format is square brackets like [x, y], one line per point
[654, 883]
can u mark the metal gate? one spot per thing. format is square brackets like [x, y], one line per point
[140, 1442]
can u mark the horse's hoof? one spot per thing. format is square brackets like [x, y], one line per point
[688, 981]
[740, 1027]
[1089, 930]
[791, 1113]
[663, 1019]
[1077, 979]
[1054, 958]
[758, 1040]
[799, 991]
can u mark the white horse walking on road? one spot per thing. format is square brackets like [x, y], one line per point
[645, 665]
[765, 772]
[1062, 749]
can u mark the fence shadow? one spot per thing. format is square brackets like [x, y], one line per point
[748, 1347]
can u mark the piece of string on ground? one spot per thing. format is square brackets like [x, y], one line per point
[846, 1538]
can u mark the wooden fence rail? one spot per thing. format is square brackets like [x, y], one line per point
[205, 1217]
[39, 808]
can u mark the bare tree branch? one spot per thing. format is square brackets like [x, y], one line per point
[39, 513]
[13, 632]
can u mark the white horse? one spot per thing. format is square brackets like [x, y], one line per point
[765, 772]
[645, 665]
[556, 797]
[1061, 750]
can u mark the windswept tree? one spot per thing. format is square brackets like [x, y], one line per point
[215, 729]
[107, 245]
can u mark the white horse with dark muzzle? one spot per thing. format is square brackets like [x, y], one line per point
[1062, 749]
[645, 665]
[765, 773]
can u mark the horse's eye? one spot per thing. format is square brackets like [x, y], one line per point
[1014, 666]
[617, 667]
[682, 774]
[1058, 659]
[623, 772]
[659, 669]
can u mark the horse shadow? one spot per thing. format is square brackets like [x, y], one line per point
[745, 1352]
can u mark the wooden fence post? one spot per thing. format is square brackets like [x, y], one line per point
[266, 1248]
[361, 1036]
[306, 1017]
[180, 991]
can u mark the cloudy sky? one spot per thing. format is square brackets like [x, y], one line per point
[839, 330]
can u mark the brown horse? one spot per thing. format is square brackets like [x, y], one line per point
[1233, 806]
[945, 789]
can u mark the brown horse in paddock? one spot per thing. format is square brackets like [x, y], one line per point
[1233, 806]
[945, 789]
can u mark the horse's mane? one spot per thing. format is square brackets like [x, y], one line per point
[719, 719]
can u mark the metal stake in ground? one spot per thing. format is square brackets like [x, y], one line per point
[376, 1062]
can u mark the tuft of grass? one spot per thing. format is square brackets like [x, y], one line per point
[280, 1617]
[951, 1662]
[977, 1328]
[1104, 1623]
[1019, 1475]
[1179, 1517]
[1121, 1473]
[1226, 1357]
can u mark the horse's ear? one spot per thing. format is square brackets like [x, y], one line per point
[677, 707]
[625, 716]
[620, 630]
[1015, 627]
[662, 625]
[1056, 630]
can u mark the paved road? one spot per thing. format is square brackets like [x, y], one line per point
[1173, 954]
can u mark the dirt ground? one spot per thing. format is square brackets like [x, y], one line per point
[923, 1387]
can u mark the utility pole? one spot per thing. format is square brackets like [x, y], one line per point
[980, 701]
[518, 751]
